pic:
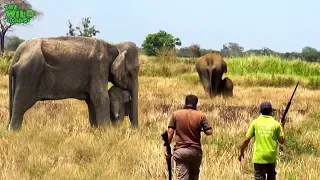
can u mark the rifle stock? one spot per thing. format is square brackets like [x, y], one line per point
[164, 136]
[283, 119]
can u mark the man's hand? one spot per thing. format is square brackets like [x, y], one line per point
[243, 147]
[165, 151]
[241, 156]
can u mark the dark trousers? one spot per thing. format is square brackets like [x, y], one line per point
[265, 171]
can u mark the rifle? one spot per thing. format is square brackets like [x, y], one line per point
[283, 120]
[164, 136]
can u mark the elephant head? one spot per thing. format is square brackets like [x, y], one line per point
[211, 68]
[119, 100]
[124, 74]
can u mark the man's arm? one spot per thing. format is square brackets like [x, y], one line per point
[243, 147]
[171, 127]
[250, 134]
[170, 134]
[206, 127]
[281, 135]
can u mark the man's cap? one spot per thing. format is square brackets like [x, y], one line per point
[265, 106]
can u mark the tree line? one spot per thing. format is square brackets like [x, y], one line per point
[157, 42]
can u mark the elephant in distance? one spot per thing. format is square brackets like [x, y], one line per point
[210, 68]
[226, 87]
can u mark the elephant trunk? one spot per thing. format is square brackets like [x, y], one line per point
[133, 114]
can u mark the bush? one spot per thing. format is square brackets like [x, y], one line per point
[5, 61]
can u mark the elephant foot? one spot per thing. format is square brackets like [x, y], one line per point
[14, 127]
[134, 126]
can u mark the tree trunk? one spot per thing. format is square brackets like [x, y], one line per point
[2, 42]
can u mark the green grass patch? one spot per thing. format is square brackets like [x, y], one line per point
[272, 65]
[252, 65]
[264, 80]
[247, 71]
[300, 139]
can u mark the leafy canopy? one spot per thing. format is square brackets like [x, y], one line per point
[158, 41]
[83, 30]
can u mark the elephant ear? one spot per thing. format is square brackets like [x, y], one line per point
[118, 68]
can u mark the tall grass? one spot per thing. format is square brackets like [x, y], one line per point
[248, 71]
[56, 141]
[252, 65]
[272, 65]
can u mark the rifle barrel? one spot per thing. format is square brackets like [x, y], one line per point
[288, 105]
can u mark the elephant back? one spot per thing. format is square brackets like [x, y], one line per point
[211, 60]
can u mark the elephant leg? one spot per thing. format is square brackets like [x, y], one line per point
[133, 116]
[92, 113]
[121, 114]
[23, 100]
[204, 78]
[216, 82]
[101, 104]
[127, 108]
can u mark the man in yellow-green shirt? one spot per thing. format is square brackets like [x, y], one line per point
[267, 133]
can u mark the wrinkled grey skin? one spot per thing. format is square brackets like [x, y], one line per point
[120, 104]
[72, 67]
[126, 77]
[226, 87]
[211, 68]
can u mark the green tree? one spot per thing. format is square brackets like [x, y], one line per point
[195, 50]
[232, 49]
[310, 54]
[84, 29]
[71, 30]
[13, 43]
[4, 25]
[158, 41]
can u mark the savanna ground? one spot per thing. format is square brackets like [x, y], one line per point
[56, 141]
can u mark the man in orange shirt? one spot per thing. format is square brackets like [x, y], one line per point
[188, 124]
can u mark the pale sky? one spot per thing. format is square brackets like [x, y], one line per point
[282, 25]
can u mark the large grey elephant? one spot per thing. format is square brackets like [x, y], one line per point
[72, 67]
[120, 104]
[210, 68]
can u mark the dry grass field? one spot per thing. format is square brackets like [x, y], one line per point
[56, 141]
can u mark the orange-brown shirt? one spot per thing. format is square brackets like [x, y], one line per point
[188, 124]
